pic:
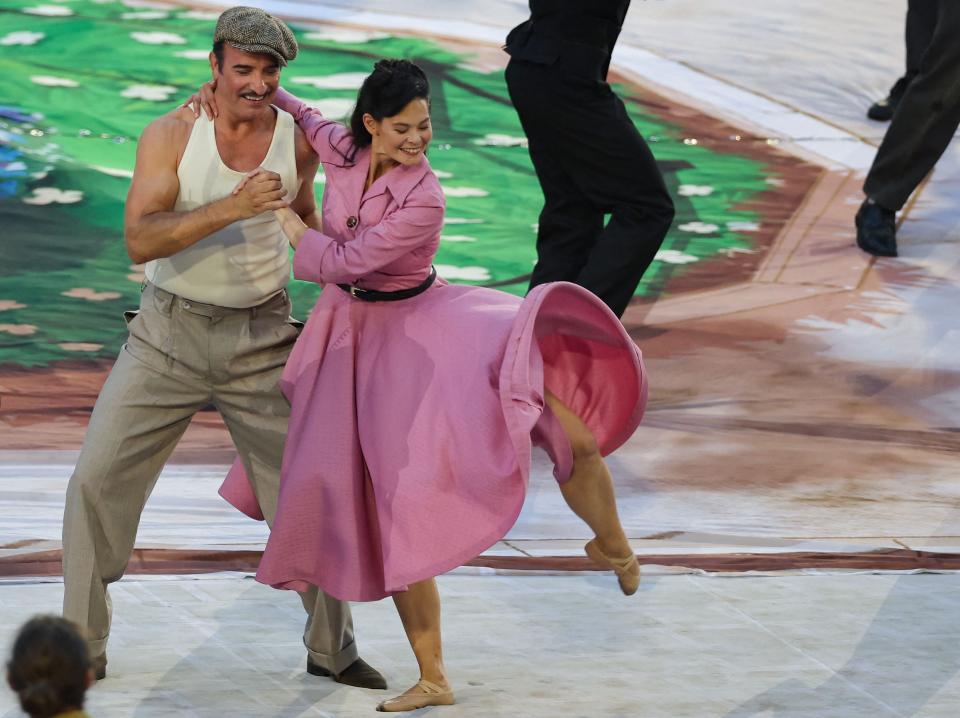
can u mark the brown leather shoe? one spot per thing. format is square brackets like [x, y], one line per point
[359, 674]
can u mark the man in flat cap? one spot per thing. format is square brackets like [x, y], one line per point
[213, 328]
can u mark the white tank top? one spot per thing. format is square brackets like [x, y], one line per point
[247, 262]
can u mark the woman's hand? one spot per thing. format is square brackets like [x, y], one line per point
[204, 99]
[291, 224]
[246, 179]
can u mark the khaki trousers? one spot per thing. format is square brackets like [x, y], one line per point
[180, 357]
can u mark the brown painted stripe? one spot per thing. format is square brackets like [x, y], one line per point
[936, 439]
[182, 561]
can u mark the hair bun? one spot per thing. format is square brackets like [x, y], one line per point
[386, 66]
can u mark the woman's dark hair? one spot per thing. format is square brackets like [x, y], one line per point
[48, 667]
[391, 86]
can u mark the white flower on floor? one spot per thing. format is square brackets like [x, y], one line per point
[80, 347]
[49, 10]
[441, 174]
[698, 227]
[8, 304]
[193, 54]
[199, 15]
[465, 192]
[469, 274]
[144, 15]
[145, 5]
[18, 330]
[155, 93]
[333, 107]
[158, 38]
[137, 274]
[673, 256]
[344, 35]
[341, 81]
[320, 178]
[734, 252]
[52, 195]
[51, 81]
[775, 181]
[743, 226]
[22, 37]
[496, 140]
[694, 190]
[461, 220]
[90, 295]
[457, 238]
[113, 172]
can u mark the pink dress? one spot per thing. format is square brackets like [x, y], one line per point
[412, 421]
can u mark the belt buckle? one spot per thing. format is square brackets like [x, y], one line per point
[354, 289]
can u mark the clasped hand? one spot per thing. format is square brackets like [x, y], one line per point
[261, 191]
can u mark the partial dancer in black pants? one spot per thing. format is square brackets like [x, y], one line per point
[921, 129]
[589, 157]
[921, 21]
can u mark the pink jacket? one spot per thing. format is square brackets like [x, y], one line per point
[383, 239]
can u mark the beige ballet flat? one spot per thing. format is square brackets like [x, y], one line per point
[627, 568]
[423, 694]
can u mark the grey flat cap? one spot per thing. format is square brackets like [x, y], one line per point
[252, 30]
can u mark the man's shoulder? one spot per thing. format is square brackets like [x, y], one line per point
[172, 129]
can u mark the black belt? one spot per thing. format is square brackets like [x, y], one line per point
[372, 295]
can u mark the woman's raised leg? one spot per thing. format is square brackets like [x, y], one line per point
[589, 493]
[419, 609]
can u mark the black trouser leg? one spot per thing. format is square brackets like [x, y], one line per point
[926, 118]
[637, 226]
[597, 161]
[921, 22]
[569, 223]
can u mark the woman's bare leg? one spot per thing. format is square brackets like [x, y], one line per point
[419, 609]
[589, 490]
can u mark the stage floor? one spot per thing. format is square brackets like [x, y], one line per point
[818, 646]
[801, 440]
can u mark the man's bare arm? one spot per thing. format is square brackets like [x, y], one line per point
[152, 229]
[305, 203]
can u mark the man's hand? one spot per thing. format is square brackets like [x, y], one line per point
[260, 191]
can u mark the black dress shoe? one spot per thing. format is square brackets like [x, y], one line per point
[99, 666]
[877, 229]
[883, 110]
[359, 674]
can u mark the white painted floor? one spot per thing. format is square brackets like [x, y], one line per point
[837, 646]
[662, 510]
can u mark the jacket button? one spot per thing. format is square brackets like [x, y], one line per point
[352, 222]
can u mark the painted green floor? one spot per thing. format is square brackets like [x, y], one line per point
[83, 79]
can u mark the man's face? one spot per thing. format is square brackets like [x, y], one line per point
[247, 82]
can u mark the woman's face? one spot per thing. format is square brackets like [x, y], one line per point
[404, 137]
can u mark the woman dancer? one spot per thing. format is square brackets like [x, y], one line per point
[415, 402]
